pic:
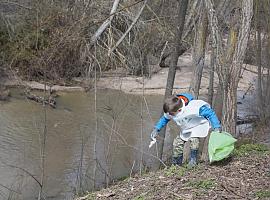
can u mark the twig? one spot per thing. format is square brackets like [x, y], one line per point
[180, 196]
[130, 174]
[232, 191]
[133, 147]
[9, 189]
[24, 170]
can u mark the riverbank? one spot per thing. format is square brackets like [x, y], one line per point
[244, 176]
[156, 84]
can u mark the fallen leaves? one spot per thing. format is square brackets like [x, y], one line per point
[239, 178]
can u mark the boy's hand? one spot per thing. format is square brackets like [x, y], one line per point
[154, 133]
[153, 136]
[217, 130]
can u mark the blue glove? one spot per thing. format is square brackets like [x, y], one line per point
[154, 133]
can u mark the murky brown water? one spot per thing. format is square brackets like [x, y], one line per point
[72, 132]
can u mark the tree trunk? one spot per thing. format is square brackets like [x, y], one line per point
[199, 54]
[182, 9]
[176, 46]
[238, 58]
[230, 81]
[229, 66]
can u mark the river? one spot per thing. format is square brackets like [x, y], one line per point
[73, 149]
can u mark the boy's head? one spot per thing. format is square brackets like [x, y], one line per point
[172, 105]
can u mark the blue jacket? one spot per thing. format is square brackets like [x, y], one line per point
[204, 111]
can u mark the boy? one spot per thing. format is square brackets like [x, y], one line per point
[189, 114]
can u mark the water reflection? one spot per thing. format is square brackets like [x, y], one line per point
[75, 139]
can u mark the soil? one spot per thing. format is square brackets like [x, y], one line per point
[245, 177]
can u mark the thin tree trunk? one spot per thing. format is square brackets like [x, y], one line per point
[177, 44]
[43, 148]
[259, 60]
[142, 127]
[205, 156]
[182, 9]
[211, 79]
[268, 77]
[96, 135]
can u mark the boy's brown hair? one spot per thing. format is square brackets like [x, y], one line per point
[172, 104]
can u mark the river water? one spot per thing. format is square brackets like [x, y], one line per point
[73, 149]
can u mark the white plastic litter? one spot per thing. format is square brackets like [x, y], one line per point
[154, 140]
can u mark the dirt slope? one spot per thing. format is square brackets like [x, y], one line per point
[245, 176]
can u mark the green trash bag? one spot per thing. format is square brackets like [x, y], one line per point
[220, 145]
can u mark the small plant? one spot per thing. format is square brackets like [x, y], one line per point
[203, 184]
[124, 178]
[263, 194]
[90, 196]
[175, 170]
[247, 149]
[140, 197]
[268, 173]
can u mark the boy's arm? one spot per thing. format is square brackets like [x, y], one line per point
[163, 121]
[209, 113]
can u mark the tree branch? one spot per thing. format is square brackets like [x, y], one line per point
[105, 24]
[129, 28]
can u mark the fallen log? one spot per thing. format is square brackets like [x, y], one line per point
[247, 119]
[42, 100]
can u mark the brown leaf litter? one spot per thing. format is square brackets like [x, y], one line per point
[236, 178]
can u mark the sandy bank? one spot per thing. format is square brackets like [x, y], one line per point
[154, 85]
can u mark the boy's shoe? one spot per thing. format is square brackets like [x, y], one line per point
[177, 160]
[193, 158]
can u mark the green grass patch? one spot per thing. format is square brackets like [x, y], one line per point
[263, 194]
[124, 178]
[247, 149]
[202, 184]
[175, 170]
